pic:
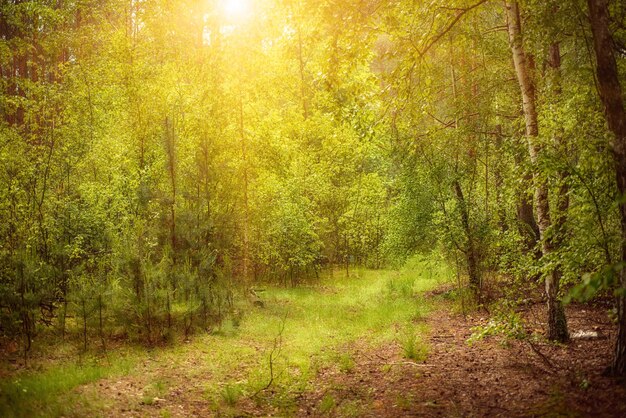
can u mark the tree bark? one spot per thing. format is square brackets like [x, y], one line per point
[610, 92]
[524, 66]
[470, 251]
[527, 223]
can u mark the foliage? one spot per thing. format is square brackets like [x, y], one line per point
[594, 283]
[506, 324]
[160, 159]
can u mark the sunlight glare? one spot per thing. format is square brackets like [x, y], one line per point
[236, 9]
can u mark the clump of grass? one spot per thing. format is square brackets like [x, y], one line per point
[400, 286]
[350, 409]
[413, 348]
[346, 363]
[154, 391]
[327, 404]
[421, 308]
[231, 393]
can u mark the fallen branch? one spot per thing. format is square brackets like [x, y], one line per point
[411, 363]
[400, 363]
[542, 356]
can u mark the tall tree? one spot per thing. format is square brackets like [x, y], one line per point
[524, 68]
[610, 91]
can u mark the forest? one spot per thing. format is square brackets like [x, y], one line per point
[312, 208]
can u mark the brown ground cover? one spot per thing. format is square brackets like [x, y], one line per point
[486, 378]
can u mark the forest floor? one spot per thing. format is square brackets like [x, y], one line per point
[380, 344]
[491, 377]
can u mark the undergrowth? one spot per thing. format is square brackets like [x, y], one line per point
[504, 323]
[276, 350]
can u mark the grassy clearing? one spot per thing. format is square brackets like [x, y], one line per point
[36, 394]
[279, 347]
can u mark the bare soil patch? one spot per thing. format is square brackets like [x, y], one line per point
[484, 379]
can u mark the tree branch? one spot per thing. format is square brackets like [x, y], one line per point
[459, 15]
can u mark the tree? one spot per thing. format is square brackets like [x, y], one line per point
[524, 68]
[610, 91]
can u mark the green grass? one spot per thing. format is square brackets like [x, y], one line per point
[154, 391]
[413, 348]
[231, 394]
[327, 404]
[346, 363]
[33, 394]
[300, 329]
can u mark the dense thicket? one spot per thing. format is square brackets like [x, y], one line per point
[158, 154]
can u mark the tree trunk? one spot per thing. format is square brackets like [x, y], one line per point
[610, 92]
[526, 220]
[470, 251]
[555, 309]
[524, 65]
